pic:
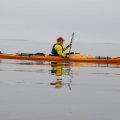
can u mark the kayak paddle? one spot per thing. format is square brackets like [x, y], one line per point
[71, 42]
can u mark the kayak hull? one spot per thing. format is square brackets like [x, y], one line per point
[71, 57]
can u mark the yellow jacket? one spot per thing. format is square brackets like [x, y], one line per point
[60, 49]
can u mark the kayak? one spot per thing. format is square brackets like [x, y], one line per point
[73, 57]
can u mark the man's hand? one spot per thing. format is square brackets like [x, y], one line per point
[65, 56]
[69, 45]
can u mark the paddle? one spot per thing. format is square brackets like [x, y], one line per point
[71, 42]
[68, 57]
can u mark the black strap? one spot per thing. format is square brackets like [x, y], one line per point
[101, 57]
[30, 54]
[69, 53]
[53, 55]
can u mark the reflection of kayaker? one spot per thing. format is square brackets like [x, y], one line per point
[57, 69]
[58, 83]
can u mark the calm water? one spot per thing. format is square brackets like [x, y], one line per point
[49, 91]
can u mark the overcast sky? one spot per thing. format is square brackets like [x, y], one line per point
[91, 20]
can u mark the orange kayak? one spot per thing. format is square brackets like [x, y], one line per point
[74, 57]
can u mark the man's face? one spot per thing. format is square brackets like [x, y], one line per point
[61, 42]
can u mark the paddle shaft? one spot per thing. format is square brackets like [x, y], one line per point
[71, 42]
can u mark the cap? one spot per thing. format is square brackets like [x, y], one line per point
[60, 39]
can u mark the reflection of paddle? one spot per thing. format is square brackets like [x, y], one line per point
[71, 42]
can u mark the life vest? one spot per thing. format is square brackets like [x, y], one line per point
[54, 52]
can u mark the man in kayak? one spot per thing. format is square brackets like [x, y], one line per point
[58, 48]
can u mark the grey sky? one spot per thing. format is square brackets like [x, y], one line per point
[91, 20]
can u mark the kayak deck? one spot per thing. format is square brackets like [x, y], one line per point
[72, 57]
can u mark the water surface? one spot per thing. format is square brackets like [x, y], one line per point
[49, 91]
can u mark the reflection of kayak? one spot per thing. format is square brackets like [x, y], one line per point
[72, 57]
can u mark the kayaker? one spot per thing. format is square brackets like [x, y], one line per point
[58, 48]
